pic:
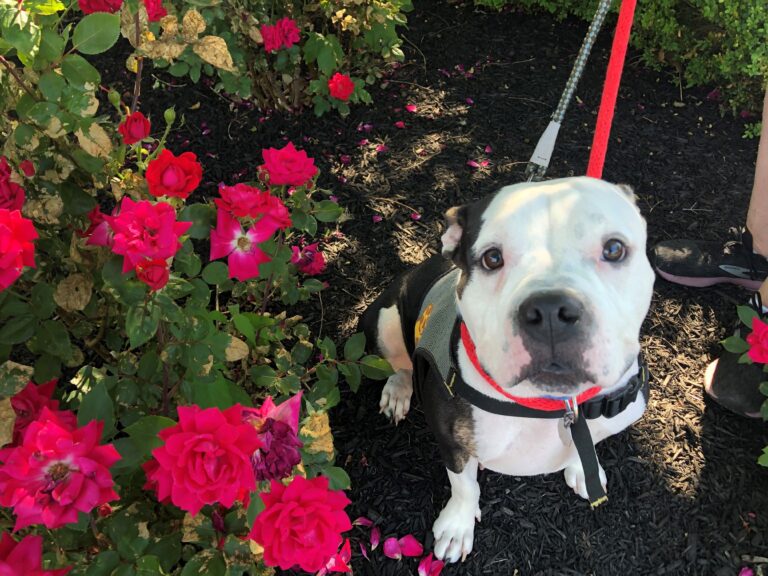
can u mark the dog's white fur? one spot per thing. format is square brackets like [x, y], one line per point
[551, 235]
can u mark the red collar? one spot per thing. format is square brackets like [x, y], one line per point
[547, 404]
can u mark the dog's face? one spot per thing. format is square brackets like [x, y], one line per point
[555, 283]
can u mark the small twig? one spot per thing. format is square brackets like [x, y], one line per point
[139, 65]
[16, 77]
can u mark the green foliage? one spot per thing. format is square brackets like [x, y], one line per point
[712, 42]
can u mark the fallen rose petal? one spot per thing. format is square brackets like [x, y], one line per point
[444, 72]
[345, 159]
[363, 521]
[411, 107]
[484, 163]
[746, 571]
[488, 149]
[377, 218]
[392, 549]
[400, 124]
[381, 148]
[473, 164]
[430, 567]
[375, 537]
[364, 551]
[415, 216]
[363, 142]
[409, 546]
[470, 101]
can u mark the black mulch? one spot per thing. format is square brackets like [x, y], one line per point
[686, 494]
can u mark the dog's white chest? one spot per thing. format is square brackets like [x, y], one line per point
[531, 446]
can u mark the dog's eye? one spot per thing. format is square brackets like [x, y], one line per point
[614, 250]
[492, 259]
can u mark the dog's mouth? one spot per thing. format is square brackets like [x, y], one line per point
[556, 376]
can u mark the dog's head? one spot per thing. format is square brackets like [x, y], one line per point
[555, 283]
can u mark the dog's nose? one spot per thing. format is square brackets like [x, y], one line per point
[551, 316]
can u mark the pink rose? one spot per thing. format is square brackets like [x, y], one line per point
[169, 175]
[301, 524]
[99, 232]
[11, 194]
[24, 558]
[16, 249]
[145, 231]
[205, 459]
[135, 127]
[309, 260]
[154, 273]
[284, 32]
[288, 166]
[29, 403]
[341, 86]
[56, 472]
[90, 6]
[758, 341]
[244, 201]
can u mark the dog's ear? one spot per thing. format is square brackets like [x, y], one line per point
[455, 220]
[628, 192]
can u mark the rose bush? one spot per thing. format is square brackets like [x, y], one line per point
[155, 383]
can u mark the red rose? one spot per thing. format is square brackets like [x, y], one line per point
[11, 194]
[341, 87]
[758, 341]
[16, 248]
[206, 458]
[154, 273]
[284, 32]
[301, 524]
[90, 6]
[155, 10]
[24, 558]
[28, 168]
[135, 127]
[29, 403]
[169, 175]
[308, 260]
[288, 166]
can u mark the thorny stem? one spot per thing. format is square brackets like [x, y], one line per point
[139, 65]
[16, 77]
[267, 287]
[166, 379]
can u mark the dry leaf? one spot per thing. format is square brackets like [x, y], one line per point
[319, 430]
[14, 376]
[7, 420]
[97, 142]
[132, 64]
[128, 23]
[236, 350]
[167, 50]
[254, 33]
[213, 50]
[54, 128]
[93, 106]
[170, 26]
[192, 25]
[74, 292]
[205, 369]
[45, 209]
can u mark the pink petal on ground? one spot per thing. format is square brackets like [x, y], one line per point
[364, 551]
[409, 546]
[345, 159]
[411, 108]
[377, 218]
[430, 567]
[746, 571]
[415, 216]
[400, 124]
[392, 549]
[375, 537]
[363, 142]
[470, 101]
[444, 72]
[488, 149]
[381, 148]
[484, 163]
[473, 164]
[363, 521]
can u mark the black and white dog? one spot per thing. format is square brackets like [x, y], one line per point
[523, 331]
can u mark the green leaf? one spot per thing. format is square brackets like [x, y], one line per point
[149, 566]
[103, 564]
[244, 326]
[98, 405]
[144, 432]
[44, 7]
[764, 388]
[18, 329]
[89, 163]
[41, 299]
[80, 73]
[352, 375]
[77, 201]
[354, 347]
[202, 216]
[47, 366]
[763, 460]
[96, 33]
[338, 479]
[735, 344]
[746, 314]
[328, 211]
[18, 30]
[52, 84]
[141, 324]
[51, 48]
[220, 393]
[205, 563]
[375, 368]
[216, 273]
[254, 508]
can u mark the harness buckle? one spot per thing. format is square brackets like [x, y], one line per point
[571, 412]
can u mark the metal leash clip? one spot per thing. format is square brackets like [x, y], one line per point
[571, 412]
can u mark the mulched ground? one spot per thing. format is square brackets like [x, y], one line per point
[686, 495]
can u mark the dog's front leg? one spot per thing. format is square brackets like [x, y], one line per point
[454, 529]
[396, 395]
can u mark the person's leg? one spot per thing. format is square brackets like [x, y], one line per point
[757, 216]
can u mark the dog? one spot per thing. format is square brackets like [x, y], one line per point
[521, 339]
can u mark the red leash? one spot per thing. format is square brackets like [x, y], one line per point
[611, 89]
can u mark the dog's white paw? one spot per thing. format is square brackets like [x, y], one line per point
[454, 529]
[574, 477]
[396, 395]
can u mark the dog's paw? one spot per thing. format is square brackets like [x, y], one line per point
[574, 477]
[454, 529]
[396, 395]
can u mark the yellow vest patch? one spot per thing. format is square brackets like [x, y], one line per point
[418, 329]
